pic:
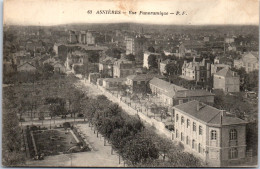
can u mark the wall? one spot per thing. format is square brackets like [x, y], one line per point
[219, 82]
[192, 135]
[240, 144]
[232, 84]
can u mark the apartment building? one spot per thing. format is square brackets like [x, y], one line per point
[140, 83]
[198, 71]
[123, 68]
[171, 94]
[216, 137]
[249, 61]
[226, 80]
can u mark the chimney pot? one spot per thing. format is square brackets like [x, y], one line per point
[223, 113]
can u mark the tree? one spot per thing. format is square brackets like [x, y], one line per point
[11, 136]
[152, 61]
[140, 149]
[251, 81]
[171, 69]
[130, 57]
[151, 49]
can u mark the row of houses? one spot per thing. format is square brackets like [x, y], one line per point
[214, 135]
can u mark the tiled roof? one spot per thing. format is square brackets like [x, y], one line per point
[123, 61]
[207, 114]
[108, 60]
[79, 53]
[114, 79]
[85, 47]
[143, 77]
[26, 63]
[193, 93]
[168, 88]
[250, 57]
[225, 72]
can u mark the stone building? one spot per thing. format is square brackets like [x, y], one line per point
[197, 71]
[249, 61]
[106, 66]
[140, 83]
[86, 37]
[171, 94]
[136, 46]
[226, 80]
[123, 68]
[146, 56]
[215, 136]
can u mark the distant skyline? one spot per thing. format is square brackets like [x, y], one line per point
[197, 12]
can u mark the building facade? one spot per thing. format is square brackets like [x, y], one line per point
[146, 58]
[249, 61]
[171, 94]
[123, 68]
[106, 66]
[197, 71]
[163, 64]
[216, 137]
[86, 37]
[136, 46]
[226, 80]
[139, 83]
[113, 83]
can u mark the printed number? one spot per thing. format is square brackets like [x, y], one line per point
[89, 11]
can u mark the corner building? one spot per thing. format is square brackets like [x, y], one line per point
[218, 138]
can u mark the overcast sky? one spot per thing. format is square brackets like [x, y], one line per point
[199, 12]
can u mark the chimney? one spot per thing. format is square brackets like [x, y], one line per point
[199, 106]
[185, 62]
[223, 113]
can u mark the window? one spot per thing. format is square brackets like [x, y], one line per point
[177, 133]
[200, 130]
[187, 140]
[182, 137]
[193, 144]
[177, 117]
[199, 148]
[233, 153]
[182, 119]
[188, 123]
[213, 135]
[233, 134]
[194, 126]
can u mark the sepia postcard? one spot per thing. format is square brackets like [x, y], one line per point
[127, 83]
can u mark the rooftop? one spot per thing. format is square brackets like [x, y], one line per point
[168, 88]
[143, 77]
[208, 114]
[226, 72]
[194, 93]
[114, 79]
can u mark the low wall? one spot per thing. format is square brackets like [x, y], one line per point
[160, 126]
